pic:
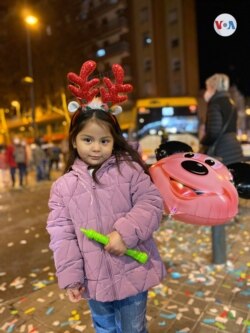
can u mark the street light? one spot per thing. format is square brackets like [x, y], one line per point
[31, 20]
[17, 106]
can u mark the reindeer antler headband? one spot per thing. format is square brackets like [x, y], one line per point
[86, 91]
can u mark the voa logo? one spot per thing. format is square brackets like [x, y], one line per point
[225, 25]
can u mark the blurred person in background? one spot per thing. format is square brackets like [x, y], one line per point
[220, 108]
[3, 168]
[11, 162]
[39, 160]
[20, 157]
[54, 153]
[28, 152]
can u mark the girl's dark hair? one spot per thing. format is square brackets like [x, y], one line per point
[122, 150]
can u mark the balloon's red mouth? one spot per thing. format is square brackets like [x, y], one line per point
[183, 190]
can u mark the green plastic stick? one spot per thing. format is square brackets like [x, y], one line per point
[140, 256]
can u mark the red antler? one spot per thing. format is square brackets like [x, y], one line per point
[115, 88]
[83, 88]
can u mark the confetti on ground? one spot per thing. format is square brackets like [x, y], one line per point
[194, 290]
[18, 282]
[30, 310]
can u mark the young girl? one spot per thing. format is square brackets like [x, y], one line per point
[106, 187]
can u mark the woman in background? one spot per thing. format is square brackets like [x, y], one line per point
[219, 108]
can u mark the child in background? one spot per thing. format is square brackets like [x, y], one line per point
[20, 156]
[3, 168]
[10, 159]
[105, 187]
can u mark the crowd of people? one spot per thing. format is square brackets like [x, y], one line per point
[19, 159]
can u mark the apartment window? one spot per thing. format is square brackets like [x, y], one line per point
[146, 39]
[144, 14]
[176, 88]
[148, 88]
[175, 42]
[176, 65]
[121, 12]
[104, 21]
[106, 43]
[172, 16]
[91, 26]
[147, 65]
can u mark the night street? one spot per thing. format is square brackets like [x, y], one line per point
[102, 90]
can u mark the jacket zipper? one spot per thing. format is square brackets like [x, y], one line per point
[101, 230]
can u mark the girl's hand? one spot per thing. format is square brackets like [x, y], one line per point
[115, 245]
[75, 294]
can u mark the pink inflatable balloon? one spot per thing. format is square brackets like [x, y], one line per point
[196, 188]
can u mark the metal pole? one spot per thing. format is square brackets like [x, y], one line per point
[30, 72]
[219, 245]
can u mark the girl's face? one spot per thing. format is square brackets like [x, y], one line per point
[94, 143]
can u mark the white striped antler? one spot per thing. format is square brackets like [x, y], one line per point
[83, 88]
[112, 95]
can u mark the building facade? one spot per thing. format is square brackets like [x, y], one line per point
[154, 41]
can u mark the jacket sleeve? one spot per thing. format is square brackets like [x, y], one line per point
[145, 216]
[213, 125]
[63, 241]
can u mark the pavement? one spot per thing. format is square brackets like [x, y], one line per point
[196, 296]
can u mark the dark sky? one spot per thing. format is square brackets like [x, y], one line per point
[231, 54]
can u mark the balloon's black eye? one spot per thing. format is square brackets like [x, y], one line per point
[195, 167]
[210, 162]
[189, 155]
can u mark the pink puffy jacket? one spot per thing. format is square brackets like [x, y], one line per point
[125, 201]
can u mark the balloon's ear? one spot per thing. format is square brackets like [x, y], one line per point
[241, 176]
[171, 147]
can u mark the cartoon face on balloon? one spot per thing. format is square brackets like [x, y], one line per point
[196, 188]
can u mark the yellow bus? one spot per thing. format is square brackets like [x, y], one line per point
[166, 118]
